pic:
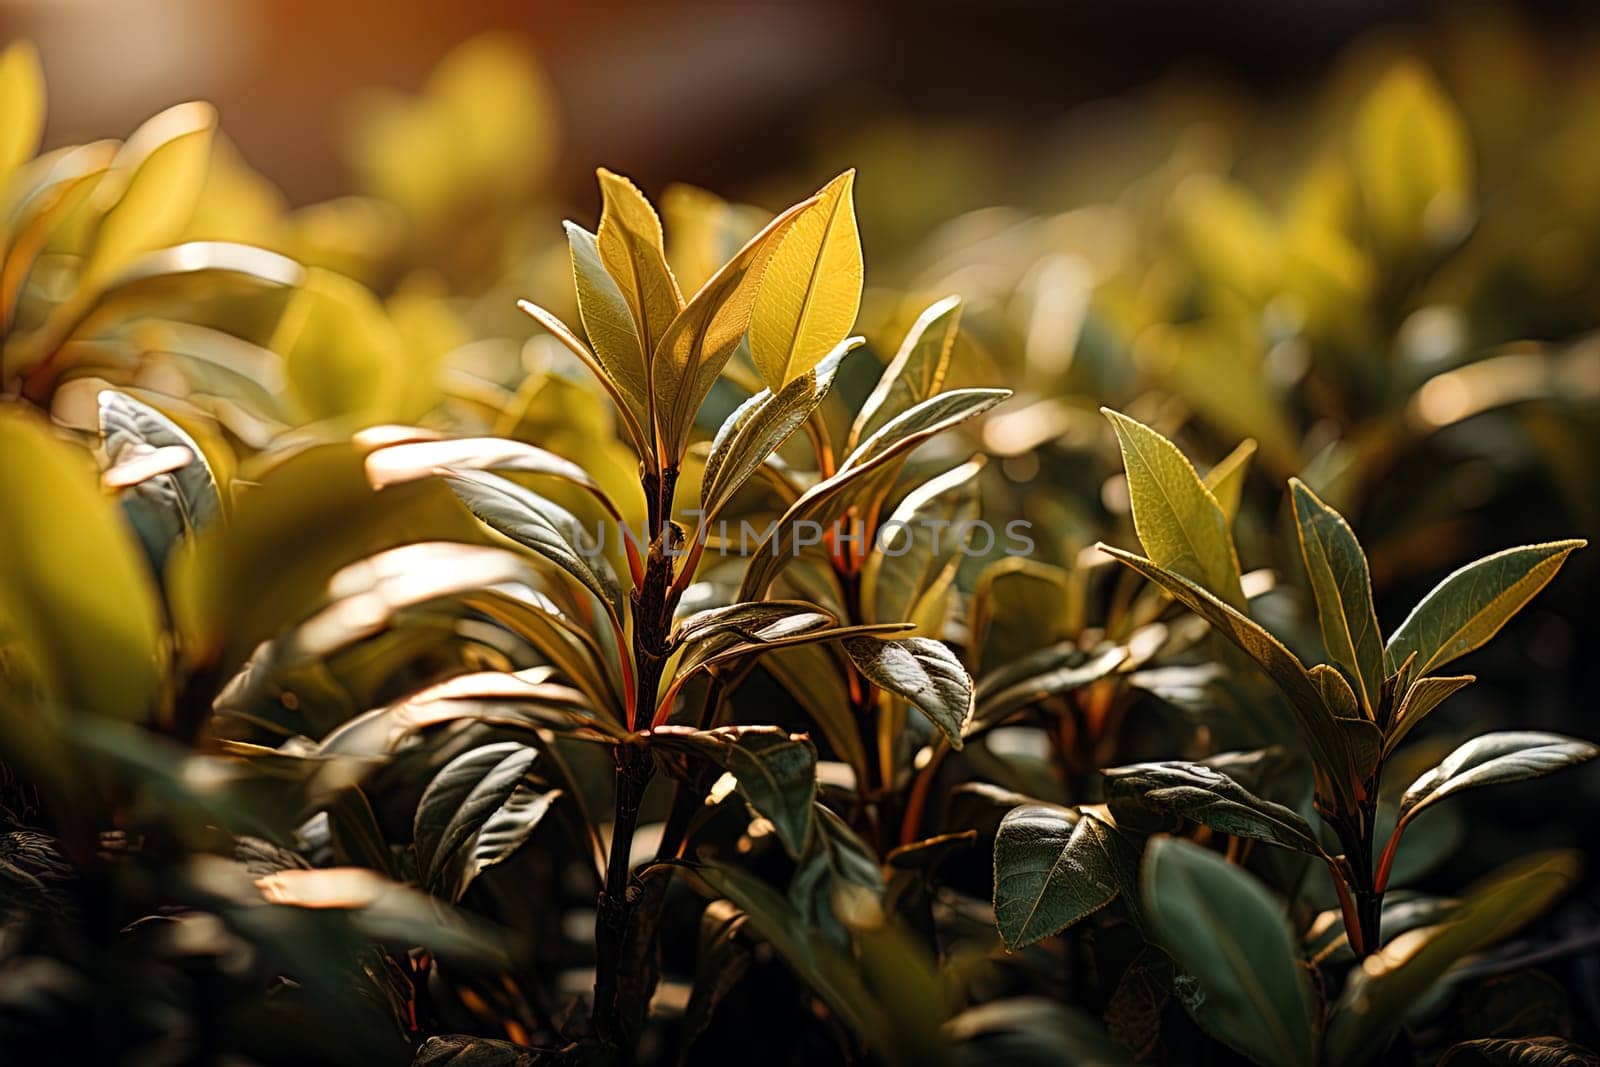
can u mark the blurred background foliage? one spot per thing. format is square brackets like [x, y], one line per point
[1365, 240]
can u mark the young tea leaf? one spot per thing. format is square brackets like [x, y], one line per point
[1418, 702]
[1178, 521]
[631, 246]
[691, 354]
[1343, 588]
[811, 290]
[759, 426]
[916, 372]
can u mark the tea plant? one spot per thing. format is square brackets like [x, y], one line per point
[1351, 715]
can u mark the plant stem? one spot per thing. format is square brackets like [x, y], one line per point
[619, 1002]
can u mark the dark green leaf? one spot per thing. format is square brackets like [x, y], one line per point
[776, 771]
[1209, 797]
[1051, 870]
[924, 673]
[462, 797]
[1224, 928]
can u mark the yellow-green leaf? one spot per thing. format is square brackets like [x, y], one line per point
[917, 371]
[1227, 476]
[609, 322]
[700, 341]
[634, 253]
[21, 106]
[77, 605]
[1343, 588]
[1412, 160]
[809, 297]
[343, 355]
[1178, 521]
[152, 188]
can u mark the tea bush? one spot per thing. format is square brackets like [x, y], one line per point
[664, 674]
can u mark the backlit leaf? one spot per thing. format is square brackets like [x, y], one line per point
[1472, 604]
[1421, 698]
[151, 189]
[916, 372]
[759, 426]
[77, 606]
[1179, 522]
[690, 356]
[1494, 759]
[1343, 588]
[175, 503]
[811, 291]
[21, 106]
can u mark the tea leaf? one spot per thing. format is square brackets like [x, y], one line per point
[151, 190]
[634, 253]
[1051, 870]
[1343, 588]
[174, 503]
[460, 799]
[77, 608]
[1207, 796]
[1472, 604]
[609, 321]
[921, 421]
[1179, 523]
[690, 356]
[919, 543]
[1379, 993]
[741, 621]
[759, 426]
[1227, 476]
[342, 354]
[1493, 759]
[22, 110]
[1420, 699]
[1224, 928]
[837, 864]
[812, 288]
[924, 673]
[916, 372]
[627, 407]
[867, 472]
[1019, 606]
[413, 460]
